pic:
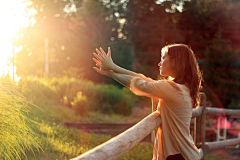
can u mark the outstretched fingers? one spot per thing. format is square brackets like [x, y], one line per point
[96, 69]
[100, 53]
[109, 52]
[103, 53]
[98, 57]
[96, 61]
[100, 71]
[99, 65]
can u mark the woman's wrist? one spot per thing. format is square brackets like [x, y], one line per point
[109, 73]
[113, 67]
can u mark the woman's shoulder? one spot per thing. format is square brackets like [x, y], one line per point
[177, 86]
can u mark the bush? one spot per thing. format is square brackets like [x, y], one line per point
[80, 104]
[103, 98]
[110, 99]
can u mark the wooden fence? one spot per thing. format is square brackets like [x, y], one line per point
[117, 146]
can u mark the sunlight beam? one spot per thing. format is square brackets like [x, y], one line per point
[13, 16]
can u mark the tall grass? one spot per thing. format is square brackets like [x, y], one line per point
[62, 143]
[16, 137]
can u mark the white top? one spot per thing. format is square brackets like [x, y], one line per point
[175, 107]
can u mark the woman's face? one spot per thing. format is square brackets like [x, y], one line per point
[166, 65]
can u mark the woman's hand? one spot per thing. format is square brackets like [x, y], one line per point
[101, 71]
[103, 61]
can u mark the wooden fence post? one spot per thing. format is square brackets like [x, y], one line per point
[199, 125]
[203, 123]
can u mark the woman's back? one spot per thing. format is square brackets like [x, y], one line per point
[173, 135]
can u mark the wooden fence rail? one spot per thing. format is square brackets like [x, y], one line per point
[227, 112]
[120, 144]
[221, 144]
[117, 146]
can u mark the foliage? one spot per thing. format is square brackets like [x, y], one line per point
[80, 104]
[148, 28]
[136, 30]
[150, 25]
[103, 98]
[73, 36]
[58, 142]
[221, 75]
[200, 22]
[16, 134]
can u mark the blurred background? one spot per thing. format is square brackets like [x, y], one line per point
[47, 49]
[69, 31]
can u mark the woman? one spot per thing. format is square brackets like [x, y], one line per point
[173, 98]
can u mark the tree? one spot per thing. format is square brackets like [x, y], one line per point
[73, 36]
[49, 24]
[221, 73]
[149, 26]
[200, 20]
[211, 29]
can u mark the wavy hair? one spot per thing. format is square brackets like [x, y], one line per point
[186, 69]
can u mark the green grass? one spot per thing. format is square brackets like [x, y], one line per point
[52, 111]
[57, 141]
[16, 137]
[211, 158]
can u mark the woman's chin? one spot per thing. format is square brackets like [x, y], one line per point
[162, 73]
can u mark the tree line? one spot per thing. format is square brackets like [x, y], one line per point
[136, 31]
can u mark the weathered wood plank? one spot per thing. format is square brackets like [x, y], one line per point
[117, 146]
[221, 144]
[203, 122]
[196, 112]
[227, 112]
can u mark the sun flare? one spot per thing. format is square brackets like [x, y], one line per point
[13, 16]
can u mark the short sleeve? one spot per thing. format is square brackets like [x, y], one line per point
[154, 89]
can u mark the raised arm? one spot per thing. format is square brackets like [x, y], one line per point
[121, 78]
[104, 61]
[139, 86]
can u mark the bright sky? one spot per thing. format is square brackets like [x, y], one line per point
[12, 17]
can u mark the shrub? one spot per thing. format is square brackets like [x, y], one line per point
[124, 106]
[103, 98]
[80, 104]
[110, 99]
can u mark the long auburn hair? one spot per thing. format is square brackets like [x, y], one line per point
[186, 69]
